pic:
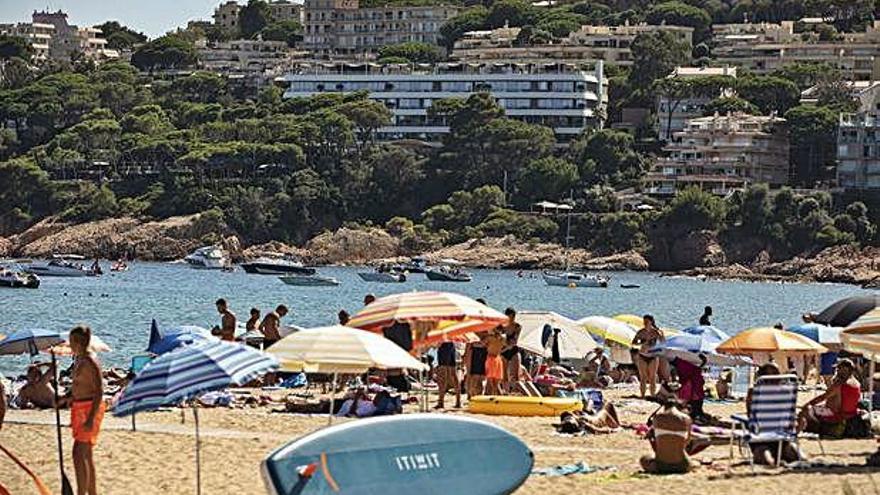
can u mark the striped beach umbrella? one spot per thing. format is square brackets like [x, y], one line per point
[863, 335]
[435, 307]
[189, 371]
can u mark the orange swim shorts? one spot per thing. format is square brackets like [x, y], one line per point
[494, 368]
[79, 412]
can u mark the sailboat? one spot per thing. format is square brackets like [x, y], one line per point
[573, 278]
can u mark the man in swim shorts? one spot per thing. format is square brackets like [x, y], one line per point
[86, 409]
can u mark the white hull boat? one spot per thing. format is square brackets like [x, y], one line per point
[208, 258]
[386, 277]
[309, 280]
[60, 268]
[575, 279]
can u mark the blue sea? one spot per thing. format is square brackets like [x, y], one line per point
[120, 306]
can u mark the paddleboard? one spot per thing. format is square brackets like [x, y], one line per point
[424, 454]
[508, 405]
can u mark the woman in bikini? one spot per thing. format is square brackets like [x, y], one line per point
[86, 399]
[647, 363]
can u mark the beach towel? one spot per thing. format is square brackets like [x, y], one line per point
[42, 489]
[590, 396]
[216, 399]
[569, 469]
[295, 381]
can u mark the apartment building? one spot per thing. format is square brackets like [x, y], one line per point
[610, 44]
[246, 57]
[673, 114]
[865, 93]
[565, 97]
[285, 11]
[721, 154]
[858, 151]
[68, 39]
[763, 48]
[38, 35]
[341, 27]
[226, 15]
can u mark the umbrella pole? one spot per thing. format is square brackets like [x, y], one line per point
[871, 368]
[65, 484]
[133, 424]
[198, 449]
[333, 398]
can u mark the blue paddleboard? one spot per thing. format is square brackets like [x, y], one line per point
[424, 454]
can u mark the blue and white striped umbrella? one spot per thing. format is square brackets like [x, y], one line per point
[708, 332]
[29, 341]
[190, 371]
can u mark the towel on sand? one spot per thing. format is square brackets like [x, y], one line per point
[569, 469]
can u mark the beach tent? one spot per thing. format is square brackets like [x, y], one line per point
[189, 371]
[573, 341]
[609, 329]
[337, 349]
[845, 311]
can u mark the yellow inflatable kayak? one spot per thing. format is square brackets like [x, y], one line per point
[522, 406]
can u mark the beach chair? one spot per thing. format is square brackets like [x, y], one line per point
[772, 418]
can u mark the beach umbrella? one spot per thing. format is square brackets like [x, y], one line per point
[863, 335]
[609, 329]
[846, 311]
[31, 342]
[690, 347]
[96, 345]
[169, 339]
[424, 307]
[428, 334]
[188, 371]
[636, 321]
[708, 332]
[337, 349]
[572, 340]
[823, 334]
[769, 340]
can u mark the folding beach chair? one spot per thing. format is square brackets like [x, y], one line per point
[772, 418]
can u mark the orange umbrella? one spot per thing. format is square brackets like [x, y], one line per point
[767, 339]
[411, 307]
[450, 331]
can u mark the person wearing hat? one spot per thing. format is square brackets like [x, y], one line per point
[828, 413]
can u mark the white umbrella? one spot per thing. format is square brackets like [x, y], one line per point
[574, 341]
[338, 349]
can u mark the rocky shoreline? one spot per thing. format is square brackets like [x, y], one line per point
[173, 238]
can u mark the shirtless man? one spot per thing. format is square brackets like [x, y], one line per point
[254, 321]
[511, 331]
[86, 399]
[38, 391]
[669, 436]
[494, 341]
[226, 330]
[271, 326]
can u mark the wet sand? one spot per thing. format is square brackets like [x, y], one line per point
[159, 457]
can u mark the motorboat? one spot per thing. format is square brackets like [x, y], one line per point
[281, 265]
[414, 265]
[447, 274]
[208, 258]
[382, 276]
[575, 279]
[309, 280]
[64, 265]
[119, 266]
[12, 276]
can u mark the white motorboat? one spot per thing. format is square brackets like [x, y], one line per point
[208, 258]
[277, 265]
[447, 274]
[309, 280]
[12, 276]
[63, 265]
[575, 279]
[386, 277]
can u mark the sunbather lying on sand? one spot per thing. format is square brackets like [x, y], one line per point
[37, 392]
[605, 421]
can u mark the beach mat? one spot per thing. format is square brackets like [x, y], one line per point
[569, 469]
[42, 489]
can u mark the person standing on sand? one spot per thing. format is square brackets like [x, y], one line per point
[512, 361]
[226, 330]
[271, 326]
[446, 374]
[254, 321]
[86, 399]
[495, 341]
[707, 313]
[647, 363]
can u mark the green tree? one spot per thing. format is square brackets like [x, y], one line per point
[26, 195]
[654, 55]
[677, 13]
[546, 178]
[14, 47]
[469, 20]
[768, 93]
[807, 74]
[813, 135]
[694, 209]
[607, 156]
[120, 37]
[730, 104]
[253, 17]
[510, 12]
[413, 52]
[620, 232]
[289, 31]
[167, 52]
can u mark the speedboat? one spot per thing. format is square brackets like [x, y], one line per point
[575, 279]
[12, 276]
[381, 276]
[447, 274]
[414, 265]
[309, 280]
[63, 265]
[282, 265]
[208, 258]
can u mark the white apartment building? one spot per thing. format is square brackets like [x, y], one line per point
[721, 154]
[763, 48]
[248, 57]
[565, 97]
[68, 39]
[858, 151]
[610, 44]
[690, 107]
[341, 27]
[38, 35]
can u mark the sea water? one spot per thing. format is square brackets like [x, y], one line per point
[120, 306]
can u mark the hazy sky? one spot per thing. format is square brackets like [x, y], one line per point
[153, 17]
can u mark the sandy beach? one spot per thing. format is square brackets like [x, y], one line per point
[159, 457]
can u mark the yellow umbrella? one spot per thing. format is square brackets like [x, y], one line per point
[767, 339]
[609, 329]
[863, 335]
[636, 321]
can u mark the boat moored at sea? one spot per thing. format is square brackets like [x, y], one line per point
[382, 276]
[12, 276]
[309, 280]
[447, 274]
[208, 258]
[63, 265]
[277, 265]
[575, 279]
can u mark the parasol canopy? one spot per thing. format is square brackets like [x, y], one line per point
[846, 311]
[771, 340]
[710, 333]
[573, 341]
[636, 322]
[863, 335]
[609, 329]
[823, 334]
[30, 341]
